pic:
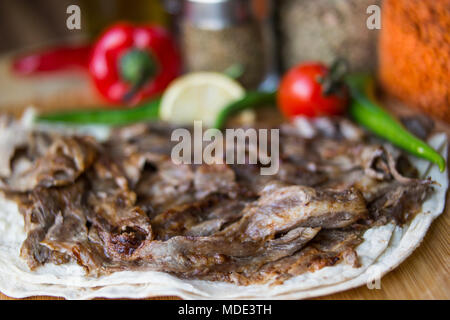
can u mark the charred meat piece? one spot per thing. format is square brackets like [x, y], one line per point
[399, 201]
[222, 213]
[13, 136]
[194, 256]
[299, 175]
[347, 156]
[281, 210]
[328, 248]
[276, 225]
[154, 138]
[58, 164]
[181, 219]
[214, 178]
[168, 186]
[56, 227]
[112, 211]
[199, 218]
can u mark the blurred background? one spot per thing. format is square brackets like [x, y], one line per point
[28, 23]
[301, 29]
[406, 43]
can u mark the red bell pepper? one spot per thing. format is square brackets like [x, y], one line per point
[54, 59]
[133, 63]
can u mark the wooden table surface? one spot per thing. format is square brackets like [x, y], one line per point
[424, 275]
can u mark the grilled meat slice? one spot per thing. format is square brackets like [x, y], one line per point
[214, 178]
[224, 212]
[148, 138]
[276, 225]
[56, 227]
[112, 210]
[50, 161]
[170, 185]
[12, 137]
[195, 256]
[328, 248]
[199, 218]
[181, 219]
[278, 211]
[295, 174]
[76, 220]
[347, 156]
[398, 201]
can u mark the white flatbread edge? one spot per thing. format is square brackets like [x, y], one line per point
[383, 249]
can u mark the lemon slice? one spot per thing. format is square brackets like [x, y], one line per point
[198, 96]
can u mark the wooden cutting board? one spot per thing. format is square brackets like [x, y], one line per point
[424, 275]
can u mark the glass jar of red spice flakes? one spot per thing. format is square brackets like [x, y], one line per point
[415, 54]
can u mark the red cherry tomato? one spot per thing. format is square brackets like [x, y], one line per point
[301, 92]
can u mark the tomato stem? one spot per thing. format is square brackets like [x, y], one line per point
[333, 82]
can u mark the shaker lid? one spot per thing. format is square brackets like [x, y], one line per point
[218, 14]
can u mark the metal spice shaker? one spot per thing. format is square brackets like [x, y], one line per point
[218, 34]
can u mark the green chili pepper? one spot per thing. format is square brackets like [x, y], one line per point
[250, 100]
[126, 115]
[119, 116]
[149, 111]
[366, 112]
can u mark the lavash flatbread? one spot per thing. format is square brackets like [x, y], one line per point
[383, 249]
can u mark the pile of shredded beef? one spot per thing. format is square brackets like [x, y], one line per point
[124, 205]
